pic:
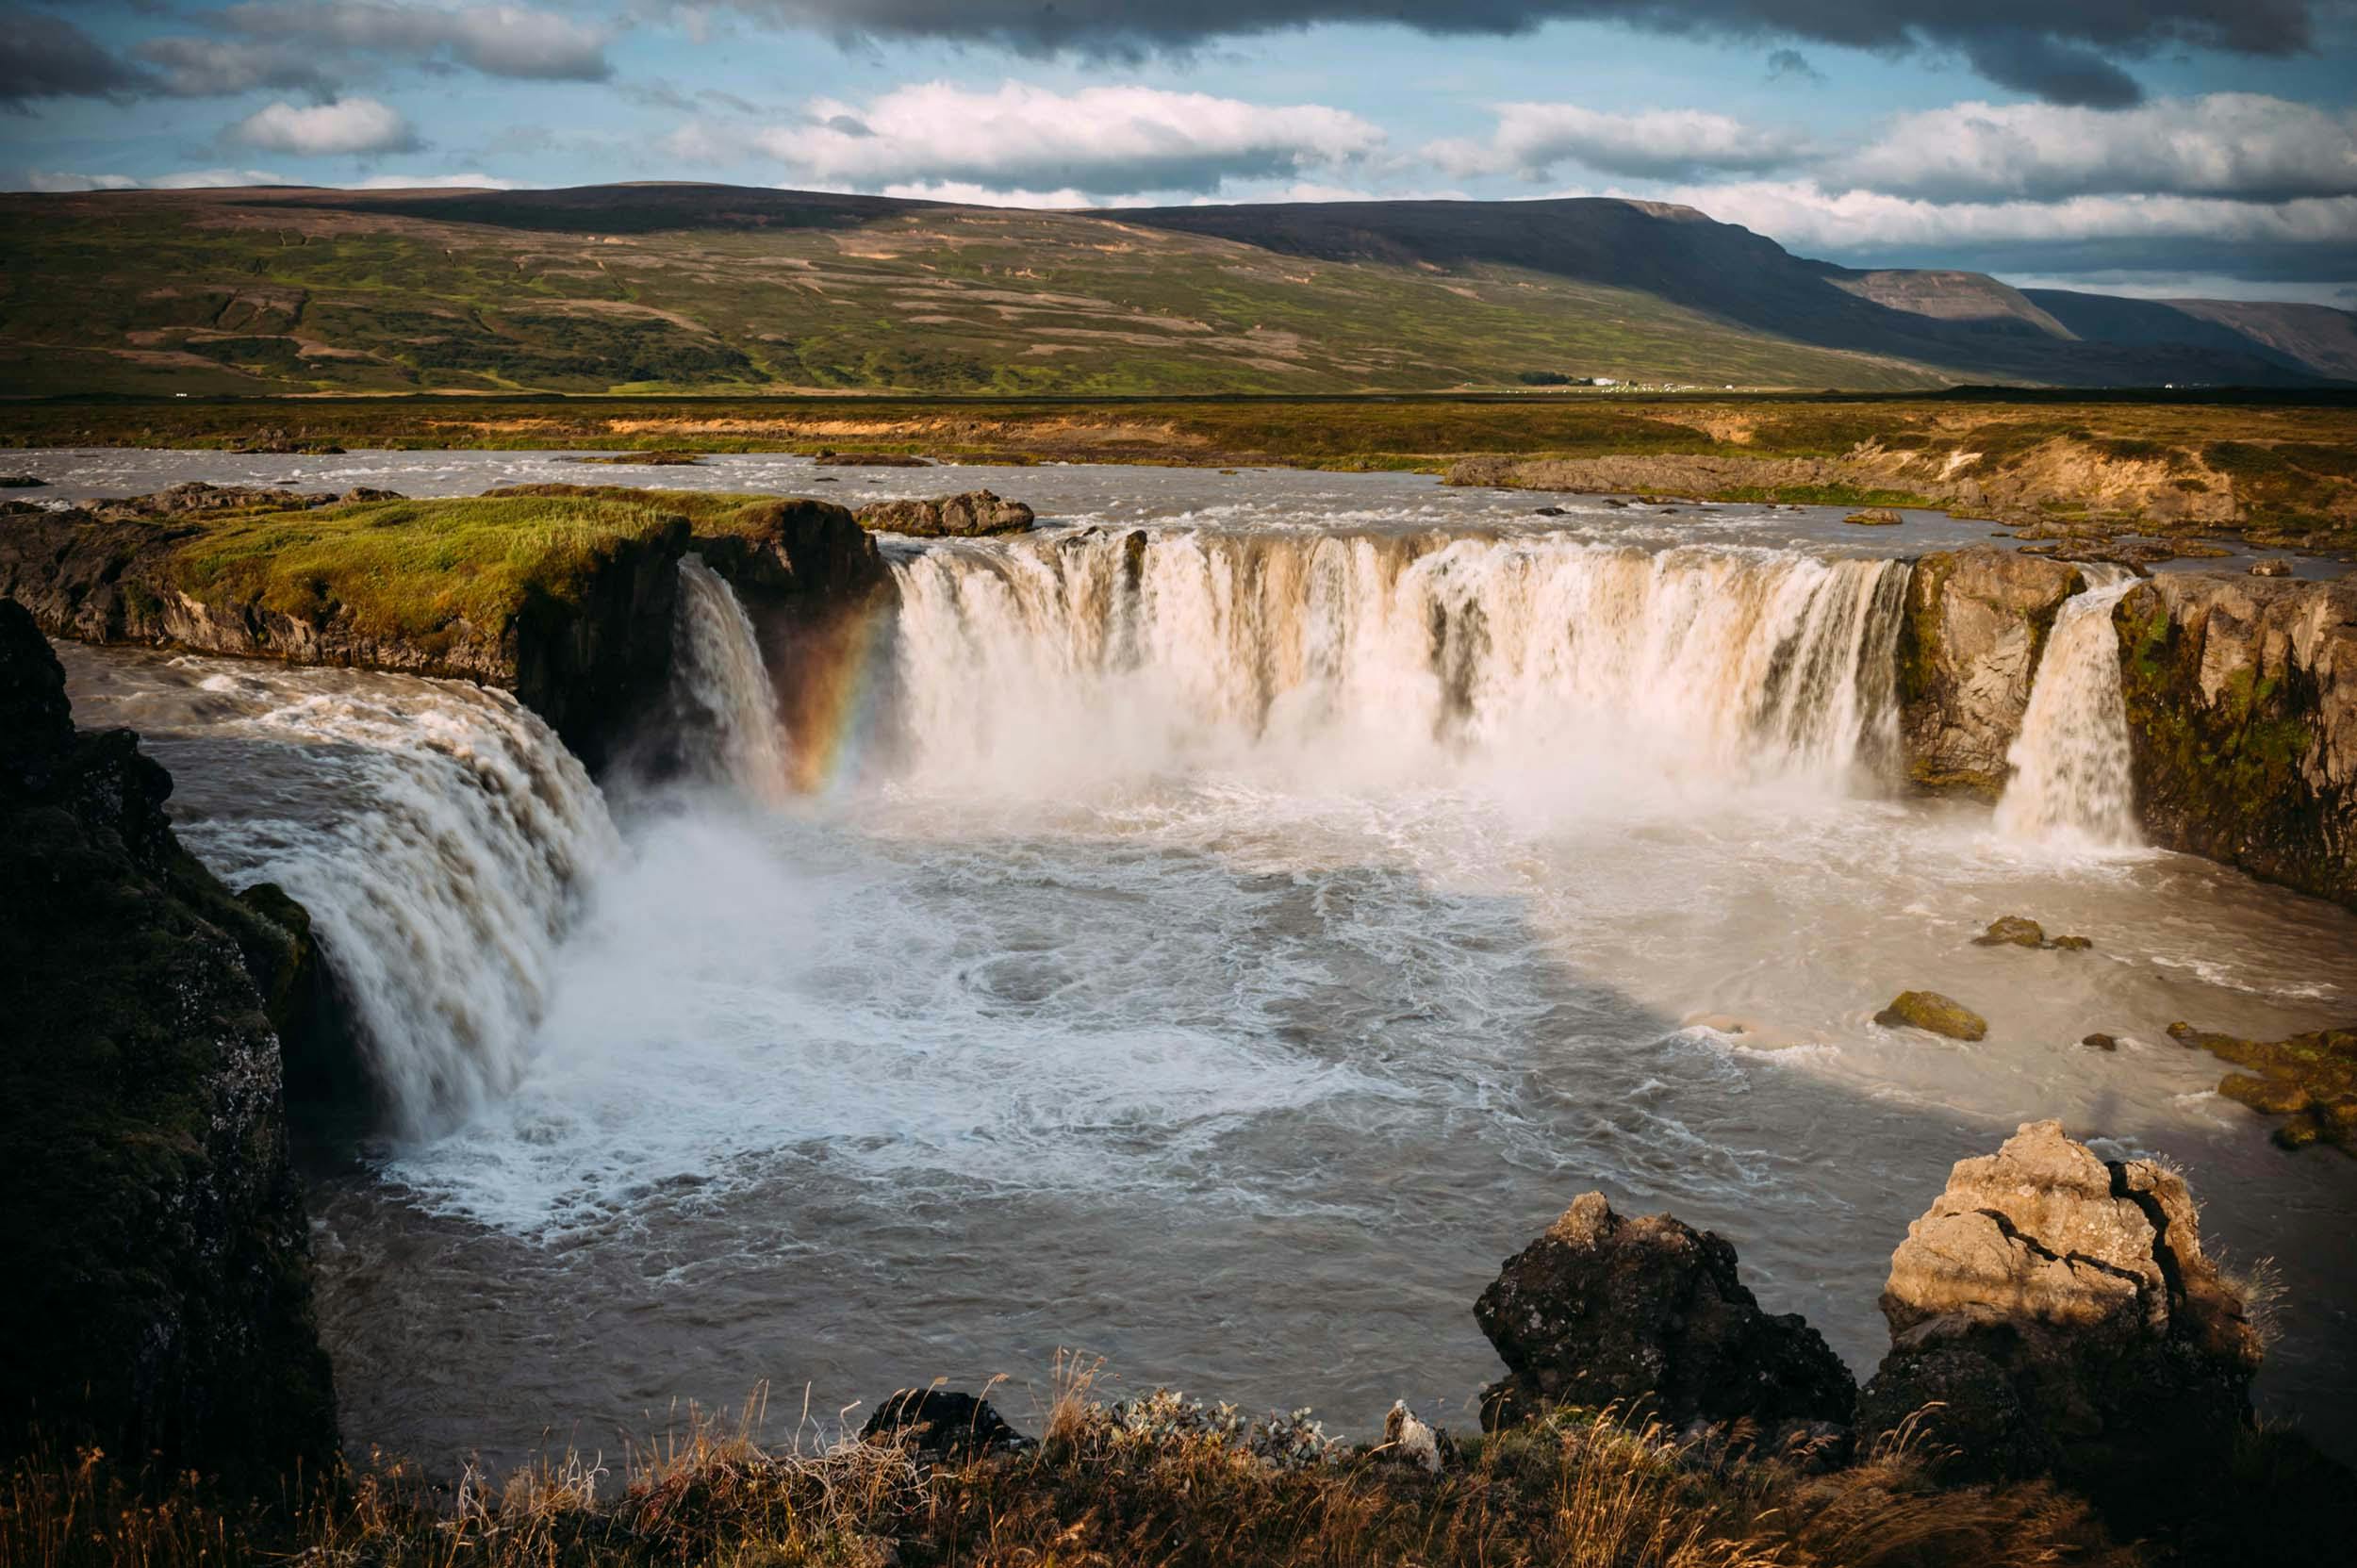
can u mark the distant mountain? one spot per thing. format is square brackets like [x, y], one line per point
[717, 289]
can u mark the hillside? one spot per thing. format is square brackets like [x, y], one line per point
[669, 288]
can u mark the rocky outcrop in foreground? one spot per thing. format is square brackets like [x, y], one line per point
[160, 1299]
[2241, 697]
[1976, 625]
[975, 514]
[1649, 1312]
[2054, 1313]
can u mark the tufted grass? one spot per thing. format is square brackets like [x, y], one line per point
[1153, 1482]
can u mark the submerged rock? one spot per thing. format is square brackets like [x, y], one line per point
[2020, 931]
[1601, 1309]
[2309, 1079]
[971, 514]
[160, 1296]
[2052, 1313]
[870, 460]
[1929, 1010]
[2100, 1042]
[22, 481]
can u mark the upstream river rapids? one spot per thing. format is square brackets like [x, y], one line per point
[1214, 953]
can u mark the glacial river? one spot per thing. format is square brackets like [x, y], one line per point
[1215, 956]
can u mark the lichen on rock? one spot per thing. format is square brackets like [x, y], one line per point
[1649, 1313]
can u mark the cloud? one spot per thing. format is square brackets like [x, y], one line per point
[194, 179]
[2308, 237]
[208, 68]
[348, 127]
[212, 179]
[1097, 140]
[2063, 52]
[469, 181]
[498, 40]
[965, 194]
[1532, 138]
[2237, 144]
[1791, 65]
[47, 57]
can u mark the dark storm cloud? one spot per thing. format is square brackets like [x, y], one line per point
[2061, 52]
[43, 55]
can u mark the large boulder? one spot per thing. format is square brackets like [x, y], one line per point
[1974, 628]
[1649, 1312]
[2054, 1313]
[968, 516]
[2241, 698]
[159, 1302]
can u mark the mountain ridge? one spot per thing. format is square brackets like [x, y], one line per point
[676, 287]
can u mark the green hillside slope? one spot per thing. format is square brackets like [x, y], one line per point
[675, 288]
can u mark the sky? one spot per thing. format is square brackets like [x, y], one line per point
[2176, 147]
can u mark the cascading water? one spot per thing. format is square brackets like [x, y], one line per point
[440, 835]
[1391, 655]
[2071, 781]
[722, 685]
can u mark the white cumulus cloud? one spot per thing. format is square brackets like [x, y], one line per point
[1095, 141]
[2235, 145]
[1532, 139]
[191, 179]
[345, 126]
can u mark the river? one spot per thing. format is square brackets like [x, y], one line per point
[1214, 953]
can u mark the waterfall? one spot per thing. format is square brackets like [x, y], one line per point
[440, 837]
[721, 686]
[2070, 777]
[1049, 657]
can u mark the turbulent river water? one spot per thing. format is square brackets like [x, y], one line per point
[1214, 952]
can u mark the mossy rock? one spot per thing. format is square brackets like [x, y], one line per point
[1875, 517]
[2020, 931]
[2012, 931]
[1930, 1011]
[2309, 1079]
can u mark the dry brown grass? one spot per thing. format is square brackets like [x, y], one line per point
[1155, 1480]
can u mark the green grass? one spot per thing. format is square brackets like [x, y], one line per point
[423, 569]
[201, 293]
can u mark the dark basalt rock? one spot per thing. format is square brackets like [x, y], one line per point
[1649, 1312]
[942, 1426]
[22, 481]
[159, 1301]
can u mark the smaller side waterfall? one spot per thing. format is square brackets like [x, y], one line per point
[2070, 761]
[723, 687]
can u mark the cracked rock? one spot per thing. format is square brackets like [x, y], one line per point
[2063, 1302]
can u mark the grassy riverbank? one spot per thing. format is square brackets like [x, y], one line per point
[2278, 469]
